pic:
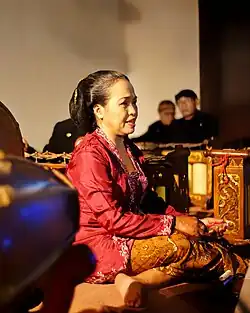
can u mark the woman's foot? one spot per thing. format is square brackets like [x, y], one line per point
[37, 308]
[131, 290]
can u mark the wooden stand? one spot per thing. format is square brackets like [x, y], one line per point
[231, 183]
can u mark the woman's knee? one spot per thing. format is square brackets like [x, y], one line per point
[182, 244]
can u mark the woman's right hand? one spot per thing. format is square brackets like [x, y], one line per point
[190, 225]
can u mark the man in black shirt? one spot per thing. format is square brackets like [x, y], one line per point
[161, 131]
[195, 126]
[63, 137]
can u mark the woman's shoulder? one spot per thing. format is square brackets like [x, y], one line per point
[88, 151]
[89, 145]
[88, 141]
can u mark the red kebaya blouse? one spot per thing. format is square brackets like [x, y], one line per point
[110, 200]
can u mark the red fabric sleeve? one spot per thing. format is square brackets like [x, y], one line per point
[170, 210]
[91, 176]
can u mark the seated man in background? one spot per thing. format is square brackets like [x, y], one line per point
[63, 137]
[195, 126]
[161, 131]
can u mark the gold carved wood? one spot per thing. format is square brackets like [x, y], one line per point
[6, 191]
[229, 196]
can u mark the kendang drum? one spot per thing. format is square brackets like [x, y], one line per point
[39, 216]
[10, 135]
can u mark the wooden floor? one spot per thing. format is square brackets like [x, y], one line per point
[186, 298]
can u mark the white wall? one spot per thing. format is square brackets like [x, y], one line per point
[47, 46]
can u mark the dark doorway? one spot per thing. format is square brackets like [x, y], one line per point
[225, 66]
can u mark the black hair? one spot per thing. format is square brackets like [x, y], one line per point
[187, 93]
[92, 90]
[168, 102]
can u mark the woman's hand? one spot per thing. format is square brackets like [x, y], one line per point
[215, 225]
[190, 225]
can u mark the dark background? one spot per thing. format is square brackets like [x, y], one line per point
[225, 65]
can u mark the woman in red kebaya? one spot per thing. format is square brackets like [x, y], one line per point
[132, 248]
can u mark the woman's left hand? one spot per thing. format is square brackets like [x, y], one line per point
[215, 225]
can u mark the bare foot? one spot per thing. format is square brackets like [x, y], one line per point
[37, 308]
[130, 289]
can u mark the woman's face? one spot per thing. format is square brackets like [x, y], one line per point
[119, 115]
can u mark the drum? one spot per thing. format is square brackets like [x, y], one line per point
[39, 216]
[10, 134]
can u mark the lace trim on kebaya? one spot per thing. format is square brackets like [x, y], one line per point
[113, 148]
[136, 179]
[100, 277]
[166, 221]
[124, 252]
